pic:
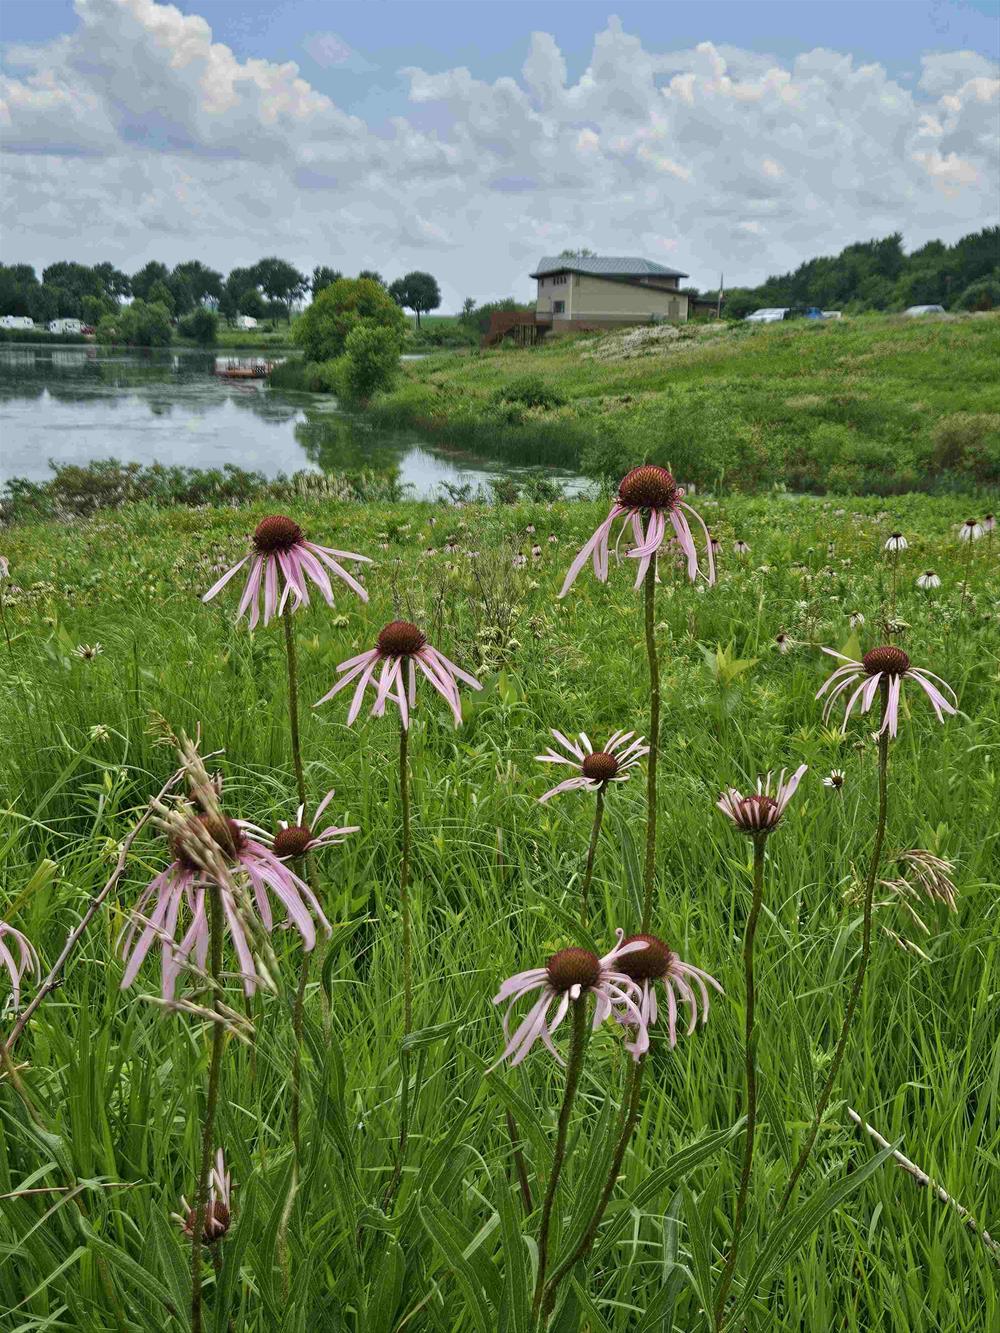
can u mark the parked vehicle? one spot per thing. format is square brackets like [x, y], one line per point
[768, 315]
[65, 326]
[924, 310]
[833, 314]
[16, 322]
[245, 322]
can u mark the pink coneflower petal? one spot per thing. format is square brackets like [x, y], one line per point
[229, 574]
[401, 649]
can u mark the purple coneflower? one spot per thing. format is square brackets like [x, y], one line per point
[26, 960]
[741, 547]
[400, 649]
[594, 768]
[218, 1209]
[886, 665]
[896, 542]
[657, 962]
[650, 491]
[835, 779]
[291, 840]
[970, 531]
[928, 579]
[760, 812]
[567, 975]
[989, 522]
[282, 562]
[784, 642]
[187, 881]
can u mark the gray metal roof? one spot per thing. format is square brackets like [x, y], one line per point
[606, 266]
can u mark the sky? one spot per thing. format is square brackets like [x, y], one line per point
[469, 139]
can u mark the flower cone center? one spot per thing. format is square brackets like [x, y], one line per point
[600, 767]
[648, 487]
[400, 638]
[215, 1225]
[276, 533]
[292, 841]
[890, 659]
[645, 964]
[573, 967]
[225, 833]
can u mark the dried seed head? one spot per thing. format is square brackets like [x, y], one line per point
[276, 533]
[600, 767]
[648, 487]
[215, 1225]
[890, 659]
[645, 964]
[292, 841]
[573, 967]
[225, 833]
[400, 638]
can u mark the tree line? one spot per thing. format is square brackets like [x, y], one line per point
[879, 275]
[269, 289]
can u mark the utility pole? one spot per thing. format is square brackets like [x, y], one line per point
[718, 308]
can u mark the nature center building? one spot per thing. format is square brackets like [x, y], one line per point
[599, 292]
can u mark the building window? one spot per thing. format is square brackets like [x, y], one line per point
[559, 307]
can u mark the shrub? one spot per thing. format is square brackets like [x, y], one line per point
[323, 328]
[529, 391]
[201, 326]
[137, 325]
[981, 295]
[370, 361]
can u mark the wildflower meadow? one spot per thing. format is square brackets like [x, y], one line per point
[517, 919]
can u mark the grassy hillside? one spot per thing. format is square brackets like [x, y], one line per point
[117, 1082]
[877, 404]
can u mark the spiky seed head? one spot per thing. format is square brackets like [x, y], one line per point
[224, 832]
[292, 841]
[400, 638]
[276, 533]
[645, 964]
[573, 967]
[600, 767]
[888, 658]
[648, 487]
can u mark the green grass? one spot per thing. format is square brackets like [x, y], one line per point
[120, 1082]
[877, 404]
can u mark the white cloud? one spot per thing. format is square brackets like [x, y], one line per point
[170, 146]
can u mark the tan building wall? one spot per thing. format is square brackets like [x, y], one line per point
[587, 298]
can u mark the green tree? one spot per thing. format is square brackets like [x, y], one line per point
[140, 324]
[201, 326]
[416, 291]
[372, 275]
[983, 294]
[147, 275]
[370, 361]
[160, 294]
[116, 284]
[252, 303]
[280, 282]
[323, 277]
[94, 308]
[322, 329]
[203, 283]
[468, 309]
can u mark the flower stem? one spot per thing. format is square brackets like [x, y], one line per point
[965, 582]
[859, 977]
[649, 869]
[293, 701]
[588, 873]
[582, 1248]
[404, 883]
[574, 1067]
[404, 905]
[750, 1059]
[208, 1132]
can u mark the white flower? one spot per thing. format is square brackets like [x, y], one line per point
[928, 579]
[970, 531]
[88, 651]
[897, 542]
[784, 642]
[855, 619]
[741, 547]
[835, 779]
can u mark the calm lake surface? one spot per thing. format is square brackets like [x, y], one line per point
[76, 404]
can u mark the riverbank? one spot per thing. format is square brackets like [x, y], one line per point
[872, 405]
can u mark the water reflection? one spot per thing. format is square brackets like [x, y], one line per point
[75, 404]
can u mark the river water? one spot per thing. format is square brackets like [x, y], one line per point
[81, 403]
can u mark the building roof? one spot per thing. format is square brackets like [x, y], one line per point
[605, 266]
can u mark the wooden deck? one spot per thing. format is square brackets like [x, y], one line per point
[524, 327]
